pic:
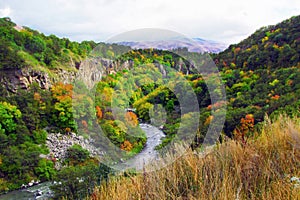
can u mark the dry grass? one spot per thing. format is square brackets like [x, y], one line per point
[261, 169]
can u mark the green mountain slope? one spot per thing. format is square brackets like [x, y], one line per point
[270, 47]
[261, 76]
[262, 72]
[31, 48]
[23, 47]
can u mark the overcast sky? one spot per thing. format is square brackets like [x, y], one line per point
[227, 21]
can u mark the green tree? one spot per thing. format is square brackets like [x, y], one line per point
[9, 57]
[34, 44]
[76, 154]
[76, 182]
[9, 115]
[45, 170]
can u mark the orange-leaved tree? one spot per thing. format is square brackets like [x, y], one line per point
[244, 128]
[127, 146]
[131, 119]
[99, 112]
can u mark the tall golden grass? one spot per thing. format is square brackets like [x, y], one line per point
[260, 169]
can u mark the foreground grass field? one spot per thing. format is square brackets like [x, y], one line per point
[266, 167]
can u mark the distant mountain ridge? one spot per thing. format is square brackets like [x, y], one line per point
[195, 45]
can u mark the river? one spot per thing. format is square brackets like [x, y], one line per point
[146, 156]
[30, 193]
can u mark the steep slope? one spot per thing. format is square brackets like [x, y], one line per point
[261, 76]
[262, 73]
[34, 49]
[33, 99]
[28, 56]
[270, 47]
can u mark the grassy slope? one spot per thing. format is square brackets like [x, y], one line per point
[261, 169]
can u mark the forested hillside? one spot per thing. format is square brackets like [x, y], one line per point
[270, 47]
[23, 47]
[28, 114]
[261, 75]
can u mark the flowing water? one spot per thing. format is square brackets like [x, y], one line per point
[40, 191]
[146, 156]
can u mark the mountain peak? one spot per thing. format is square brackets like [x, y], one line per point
[193, 45]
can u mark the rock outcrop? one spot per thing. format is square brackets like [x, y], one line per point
[58, 145]
[89, 71]
[13, 79]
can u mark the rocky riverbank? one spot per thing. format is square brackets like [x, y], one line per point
[58, 145]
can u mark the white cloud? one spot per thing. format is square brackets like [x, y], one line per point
[226, 20]
[5, 12]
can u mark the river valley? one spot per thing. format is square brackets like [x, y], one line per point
[146, 156]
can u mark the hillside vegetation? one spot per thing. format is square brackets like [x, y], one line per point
[266, 167]
[270, 47]
[22, 47]
[26, 114]
[261, 75]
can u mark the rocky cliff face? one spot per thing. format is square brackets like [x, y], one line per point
[89, 71]
[12, 79]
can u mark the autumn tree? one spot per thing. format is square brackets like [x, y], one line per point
[131, 119]
[126, 146]
[244, 128]
[63, 117]
[99, 112]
